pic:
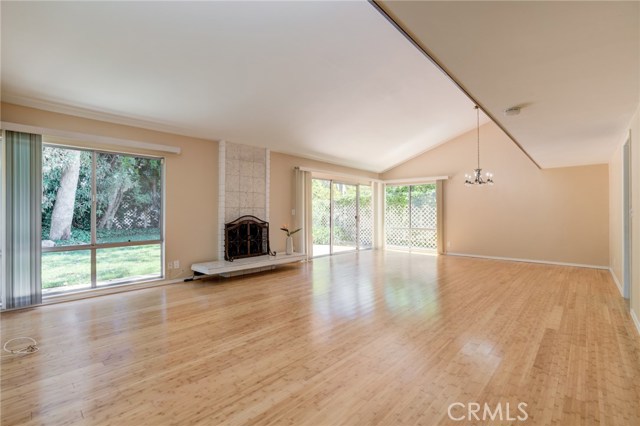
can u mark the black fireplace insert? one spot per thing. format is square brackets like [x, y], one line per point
[247, 236]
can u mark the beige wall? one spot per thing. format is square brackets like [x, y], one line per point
[554, 215]
[191, 180]
[282, 190]
[558, 215]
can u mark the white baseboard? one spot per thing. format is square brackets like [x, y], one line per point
[615, 280]
[636, 321]
[514, 259]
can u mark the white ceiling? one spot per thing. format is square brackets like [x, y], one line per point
[575, 66]
[327, 80]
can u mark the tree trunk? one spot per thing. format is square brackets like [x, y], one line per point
[62, 215]
[106, 221]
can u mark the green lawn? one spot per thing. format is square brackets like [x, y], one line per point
[73, 268]
[83, 236]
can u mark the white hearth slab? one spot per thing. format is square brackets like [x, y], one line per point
[223, 267]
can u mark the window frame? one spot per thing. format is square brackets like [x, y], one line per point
[94, 245]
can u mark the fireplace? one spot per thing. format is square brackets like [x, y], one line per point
[247, 236]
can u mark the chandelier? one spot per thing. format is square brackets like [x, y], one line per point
[476, 178]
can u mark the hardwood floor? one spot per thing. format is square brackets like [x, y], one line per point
[357, 339]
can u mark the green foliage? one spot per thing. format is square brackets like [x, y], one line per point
[344, 210]
[341, 235]
[80, 236]
[423, 195]
[131, 185]
[397, 196]
[54, 162]
[403, 222]
[320, 211]
[124, 235]
[321, 236]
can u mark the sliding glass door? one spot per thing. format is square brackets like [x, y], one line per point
[321, 216]
[101, 218]
[342, 217]
[344, 214]
[365, 217]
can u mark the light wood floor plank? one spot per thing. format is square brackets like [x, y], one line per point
[372, 338]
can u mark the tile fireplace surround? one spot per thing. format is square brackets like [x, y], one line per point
[243, 185]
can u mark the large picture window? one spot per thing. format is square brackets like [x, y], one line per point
[101, 218]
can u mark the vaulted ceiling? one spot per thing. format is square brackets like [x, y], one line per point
[335, 81]
[327, 80]
[574, 67]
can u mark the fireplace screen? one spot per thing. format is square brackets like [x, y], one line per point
[247, 236]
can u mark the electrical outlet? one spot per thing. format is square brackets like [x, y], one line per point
[176, 264]
[448, 244]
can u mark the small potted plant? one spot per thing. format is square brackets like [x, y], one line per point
[285, 228]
